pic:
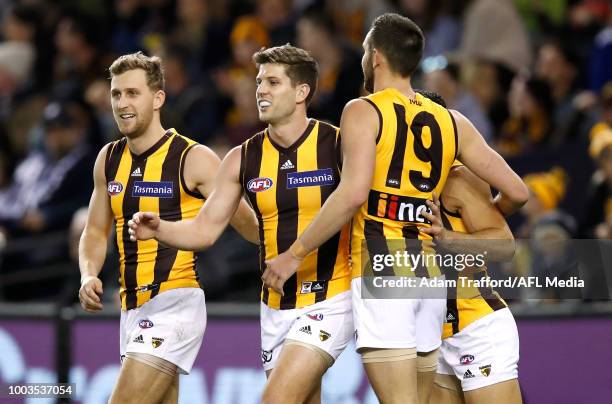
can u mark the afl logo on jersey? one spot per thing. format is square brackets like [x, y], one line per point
[114, 188]
[259, 184]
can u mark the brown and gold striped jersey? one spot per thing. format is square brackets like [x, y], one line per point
[467, 303]
[286, 188]
[152, 181]
[415, 148]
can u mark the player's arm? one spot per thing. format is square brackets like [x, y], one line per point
[358, 128]
[486, 163]
[202, 231]
[487, 230]
[243, 220]
[94, 240]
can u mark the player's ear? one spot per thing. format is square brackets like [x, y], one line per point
[377, 58]
[302, 93]
[158, 99]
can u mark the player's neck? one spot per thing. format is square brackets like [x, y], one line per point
[144, 142]
[389, 80]
[285, 133]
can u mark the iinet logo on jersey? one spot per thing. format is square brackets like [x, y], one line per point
[397, 207]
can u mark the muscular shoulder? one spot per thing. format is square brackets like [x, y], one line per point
[200, 165]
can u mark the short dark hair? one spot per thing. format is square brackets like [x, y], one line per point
[299, 65]
[400, 40]
[432, 95]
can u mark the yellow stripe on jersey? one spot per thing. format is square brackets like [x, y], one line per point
[152, 181]
[286, 188]
[415, 149]
[471, 303]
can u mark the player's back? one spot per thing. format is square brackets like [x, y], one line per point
[415, 149]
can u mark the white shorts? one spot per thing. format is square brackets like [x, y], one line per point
[170, 326]
[484, 353]
[327, 325]
[397, 323]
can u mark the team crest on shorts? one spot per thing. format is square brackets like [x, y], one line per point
[324, 335]
[485, 370]
[156, 342]
[266, 356]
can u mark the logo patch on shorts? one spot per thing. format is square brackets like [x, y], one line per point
[468, 375]
[144, 324]
[139, 339]
[315, 316]
[306, 330]
[266, 356]
[324, 335]
[259, 184]
[156, 342]
[313, 286]
[114, 188]
[466, 359]
[485, 370]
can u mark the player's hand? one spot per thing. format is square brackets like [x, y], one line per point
[278, 270]
[436, 230]
[90, 293]
[143, 226]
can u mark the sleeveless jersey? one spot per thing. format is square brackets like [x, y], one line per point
[286, 188]
[153, 182]
[471, 302]
[415, 148]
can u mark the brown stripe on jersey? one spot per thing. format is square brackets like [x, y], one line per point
[113, 159]
[455, 132]
[286, 231]
[488, 294]
[326, 158]
[130, 248]
[411, 232]
[376, 244]
[252, 153]
[195, 193]
[170, 210]
[394, 173]
[380, 120]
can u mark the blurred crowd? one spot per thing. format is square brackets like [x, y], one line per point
[534, 76]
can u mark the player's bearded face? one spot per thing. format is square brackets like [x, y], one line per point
[366, 66]
[275, 95]
[132, 101]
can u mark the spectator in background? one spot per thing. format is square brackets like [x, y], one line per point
[605, 121]
[441, 28]
[276, 17]
[490, 83]
[80, 46]
[530, 124]
[50, 184]
[442, 77]
[340, 74]
[558, 65]
[493, 30]
[188, 107]
[601, 58]
[600, 189]
[547, 190]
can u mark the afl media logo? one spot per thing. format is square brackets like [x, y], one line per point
[115, 188]
[259, 184]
